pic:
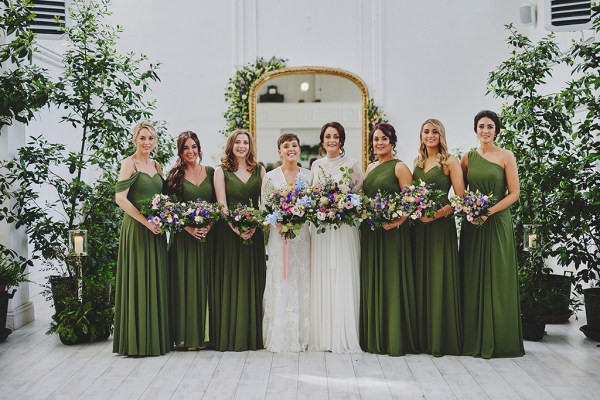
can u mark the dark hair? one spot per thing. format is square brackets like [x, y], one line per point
[487, 114]
[342, 132]
[177, 173]
[287, 137]
[389, 131]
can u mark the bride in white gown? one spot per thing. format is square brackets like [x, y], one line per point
[286, 301]
[335, 260]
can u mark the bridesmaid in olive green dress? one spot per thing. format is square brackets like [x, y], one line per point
[435, 248]
[240, 269]
[190, 259]
[387, 306]
[491, 312]
[141, 303]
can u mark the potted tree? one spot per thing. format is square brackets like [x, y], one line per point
[550, 140]
[12, 274]
[103, 93]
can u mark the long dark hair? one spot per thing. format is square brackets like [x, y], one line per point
[177, 173]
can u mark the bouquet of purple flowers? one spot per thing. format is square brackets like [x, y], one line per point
[200, 213]
[420, 200]
[472, 206]
[245, 218]
[336, 204]
[163, 211]
[290, 207]
[381, 209]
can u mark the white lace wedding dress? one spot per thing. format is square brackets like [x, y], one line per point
[286, 302]
[335, 276]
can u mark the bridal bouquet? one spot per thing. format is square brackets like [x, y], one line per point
[245, 218]
[381, 209]
[200, 213]
[420, 200]
[290, 207]
[163, 211]
[336, 204]
[472, 206]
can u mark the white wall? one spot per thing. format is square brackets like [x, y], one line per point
[419, 59]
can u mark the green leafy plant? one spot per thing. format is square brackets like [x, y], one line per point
[238, 90]
[12, 268]
[556, 152]
[24, 86]
[103, 94]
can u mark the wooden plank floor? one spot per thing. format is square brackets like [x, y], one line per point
[564, 365]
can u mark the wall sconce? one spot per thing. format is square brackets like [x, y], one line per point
[530, 237]
[304, 86]
[78, 242]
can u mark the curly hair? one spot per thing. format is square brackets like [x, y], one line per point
[177, 173]
[442, 156]
[229, 162]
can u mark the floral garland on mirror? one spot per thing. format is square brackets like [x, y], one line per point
[238, 90]
[237, 115]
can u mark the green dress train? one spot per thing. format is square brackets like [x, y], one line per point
[190, 262]
[437, 276]
[239, 275]
[141, 292]
[491, 312]
[387, 323]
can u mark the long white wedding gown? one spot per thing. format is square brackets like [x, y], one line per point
[335, 276]
[286, 301]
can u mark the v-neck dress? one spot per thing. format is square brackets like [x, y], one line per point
[239, 275]
[190, 263]
[141, 292]
[437, 275]
[491, 310]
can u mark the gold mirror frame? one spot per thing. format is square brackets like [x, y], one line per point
[362, 87]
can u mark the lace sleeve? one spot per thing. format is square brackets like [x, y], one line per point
[266, 191]
[357, 177]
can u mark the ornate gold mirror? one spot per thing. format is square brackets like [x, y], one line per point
[301, 100]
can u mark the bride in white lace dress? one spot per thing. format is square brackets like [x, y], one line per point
[286, 299]
[335, 260]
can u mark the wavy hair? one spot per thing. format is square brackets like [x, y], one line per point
[389, 131]
[229, 161]
[177, 173]
[442, 156]
[341, 131]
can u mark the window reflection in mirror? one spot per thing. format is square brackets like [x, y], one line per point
[302, 103]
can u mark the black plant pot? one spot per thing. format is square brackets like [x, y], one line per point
[103, 334]
[4, 297]
[591, 298]
[62, 287]
[533, 331]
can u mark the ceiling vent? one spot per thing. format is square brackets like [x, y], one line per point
[568, 15]
[46, 14]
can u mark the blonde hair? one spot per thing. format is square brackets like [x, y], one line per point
[229, 161]
[442, 156]
[141, 125]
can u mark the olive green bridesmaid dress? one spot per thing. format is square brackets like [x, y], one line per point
[239, 275]
[435, 254]
[387, 294]
[491, 311]
[190, 263]
[141, 292]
